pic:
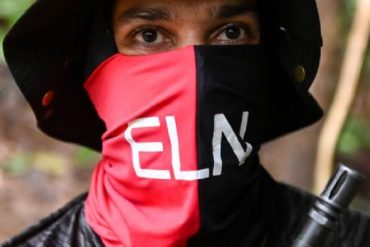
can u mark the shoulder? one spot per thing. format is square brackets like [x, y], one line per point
[65, 227]
[353, 227]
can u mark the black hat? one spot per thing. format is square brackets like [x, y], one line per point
[47, 53]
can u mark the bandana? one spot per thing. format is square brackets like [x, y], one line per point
[179, 161]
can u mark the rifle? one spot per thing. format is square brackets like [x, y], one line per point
[326, 211]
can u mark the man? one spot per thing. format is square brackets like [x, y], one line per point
[178, 96]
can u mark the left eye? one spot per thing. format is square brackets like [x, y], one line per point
[149, 36]
[232, 34]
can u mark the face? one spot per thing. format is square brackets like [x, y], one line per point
[151, 26]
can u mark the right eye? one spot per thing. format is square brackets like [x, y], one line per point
[149, 37]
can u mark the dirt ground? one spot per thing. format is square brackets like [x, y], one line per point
[27, 198]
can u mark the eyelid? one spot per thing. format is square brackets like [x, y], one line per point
[223, 28]
[141, 28]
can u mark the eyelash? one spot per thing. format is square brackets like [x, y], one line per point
[141, 29]
[242, 26]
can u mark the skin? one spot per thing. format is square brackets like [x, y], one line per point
[151, 26]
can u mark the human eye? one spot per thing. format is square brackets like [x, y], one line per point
[234, 34]
[149, 38]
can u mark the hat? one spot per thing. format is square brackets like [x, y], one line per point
[46, 51]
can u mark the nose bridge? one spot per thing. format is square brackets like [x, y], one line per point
[192, 35]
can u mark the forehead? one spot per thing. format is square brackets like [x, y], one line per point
[177, 7]
[180, 2]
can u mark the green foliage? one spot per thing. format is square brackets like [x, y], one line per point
[47, 162]
[366, 69]
[17, 165]
[355, 136]
[10, 11]
[349, 7]
[86, 157]
[347, 15]
[50, 163]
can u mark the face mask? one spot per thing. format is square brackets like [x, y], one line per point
[179, 160]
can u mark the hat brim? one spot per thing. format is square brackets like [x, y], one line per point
[45, 51]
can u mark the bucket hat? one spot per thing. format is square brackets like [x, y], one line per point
[46, 51]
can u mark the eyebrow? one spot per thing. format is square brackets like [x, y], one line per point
[150, 14]
[155, 14]
[228, 11]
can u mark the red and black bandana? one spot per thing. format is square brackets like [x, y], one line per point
[179, 162]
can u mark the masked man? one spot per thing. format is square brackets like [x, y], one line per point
[177, 96]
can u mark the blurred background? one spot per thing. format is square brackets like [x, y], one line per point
[39, 175]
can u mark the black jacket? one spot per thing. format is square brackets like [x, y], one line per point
[67, 227]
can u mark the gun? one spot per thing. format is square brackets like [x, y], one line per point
[325, 213]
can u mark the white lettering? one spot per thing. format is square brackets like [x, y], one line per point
[222, 127]
[176, 164]
[145, 147]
